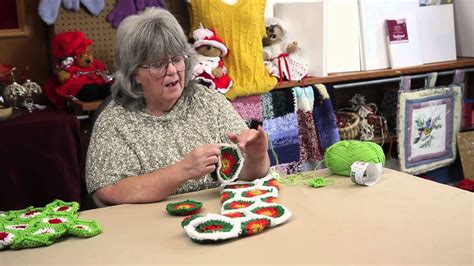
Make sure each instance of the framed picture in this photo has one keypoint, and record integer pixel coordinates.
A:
(12, 22)
(428, 122)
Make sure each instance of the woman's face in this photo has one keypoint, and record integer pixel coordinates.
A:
(163, 84)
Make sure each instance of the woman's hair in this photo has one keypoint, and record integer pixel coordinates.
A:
(146, 37)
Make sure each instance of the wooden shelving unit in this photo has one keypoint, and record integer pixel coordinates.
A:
(462, 62)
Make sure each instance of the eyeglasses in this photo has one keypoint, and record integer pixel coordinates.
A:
(159, 69)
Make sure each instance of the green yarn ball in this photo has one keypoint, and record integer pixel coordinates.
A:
(340, 156)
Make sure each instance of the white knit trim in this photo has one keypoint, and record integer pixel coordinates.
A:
(215, 236)
(202, 33)
(218, 45)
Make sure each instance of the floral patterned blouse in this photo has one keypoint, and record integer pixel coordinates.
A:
(129, 143)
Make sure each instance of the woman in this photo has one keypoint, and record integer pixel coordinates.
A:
(161, 134)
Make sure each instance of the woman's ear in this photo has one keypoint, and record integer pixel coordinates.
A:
(137, 79)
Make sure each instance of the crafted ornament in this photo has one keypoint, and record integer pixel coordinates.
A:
(210, 67)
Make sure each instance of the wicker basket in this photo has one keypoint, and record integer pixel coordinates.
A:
(348, 125)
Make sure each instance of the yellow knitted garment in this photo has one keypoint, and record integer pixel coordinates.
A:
(242, 28)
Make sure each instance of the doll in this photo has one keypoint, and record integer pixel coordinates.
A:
(79, 74)
(279, 56)
(210, 68)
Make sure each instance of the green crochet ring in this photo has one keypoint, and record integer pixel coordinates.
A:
(184, 208)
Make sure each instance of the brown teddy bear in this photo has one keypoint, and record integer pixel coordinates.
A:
(279, 56)
(79, 74)
(210, 68)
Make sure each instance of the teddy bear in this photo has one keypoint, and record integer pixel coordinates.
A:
(210, 69)
(280, 56)
(78, 74)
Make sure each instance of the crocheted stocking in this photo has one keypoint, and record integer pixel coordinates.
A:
(142, 4)
(94, 6)
(48, 10)
(71, 4)
(121, 10)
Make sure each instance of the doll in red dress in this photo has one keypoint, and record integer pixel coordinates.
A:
(210, 69)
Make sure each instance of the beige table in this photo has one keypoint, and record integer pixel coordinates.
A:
(401, 220)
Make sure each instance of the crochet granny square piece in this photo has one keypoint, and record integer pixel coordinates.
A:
(230, 163)
(184, 208)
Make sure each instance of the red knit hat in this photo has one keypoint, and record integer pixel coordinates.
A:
(204, 36)
(70, 43)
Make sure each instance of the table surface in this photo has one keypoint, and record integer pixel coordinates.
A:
(400, 220)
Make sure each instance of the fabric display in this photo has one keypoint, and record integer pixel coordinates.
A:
(241, 27)
(428, 121)
(325, 118)
(283, 132)
(310, 148)
(35, 227)
(250, 107)
(248, 208)
(300, 124)
(49, 9)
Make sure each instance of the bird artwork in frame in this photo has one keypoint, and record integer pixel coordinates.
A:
(428, 121)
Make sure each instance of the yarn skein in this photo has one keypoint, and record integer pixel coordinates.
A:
(341, 155)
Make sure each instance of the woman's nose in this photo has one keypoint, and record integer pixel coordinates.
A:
(170, 70)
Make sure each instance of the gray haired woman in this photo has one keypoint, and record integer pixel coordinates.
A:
(161, 133)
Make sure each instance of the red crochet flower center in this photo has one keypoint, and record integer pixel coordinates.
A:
(239, 205)
(3, 235)
(256, 226)
(228, 162)
(211, 228)
(225, 196)
(271, 200)
(30, 213)
(268, 211)
(255, 192)
(234, 214)
(55, 221)
(20, 226)
(63, 208)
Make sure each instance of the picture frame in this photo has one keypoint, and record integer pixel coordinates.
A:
(428, 122)
(13, 17)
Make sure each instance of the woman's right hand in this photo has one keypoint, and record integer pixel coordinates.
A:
(201, 161)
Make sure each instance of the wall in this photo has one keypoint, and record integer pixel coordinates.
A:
(31, 51)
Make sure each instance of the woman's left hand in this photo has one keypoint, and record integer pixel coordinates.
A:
(254, 143)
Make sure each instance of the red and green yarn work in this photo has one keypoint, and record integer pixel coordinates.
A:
(183, 208)
(42, 226)
(248, 208)
(229, 164)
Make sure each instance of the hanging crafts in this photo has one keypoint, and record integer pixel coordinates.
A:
(428, 121)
